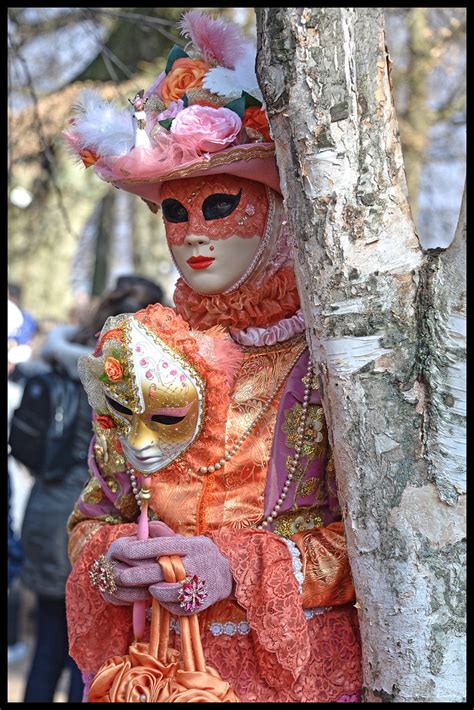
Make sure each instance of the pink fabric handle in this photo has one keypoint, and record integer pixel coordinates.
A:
(139, 608)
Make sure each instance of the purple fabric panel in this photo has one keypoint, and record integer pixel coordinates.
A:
(106, 506)
(87, 679)
(277, 471)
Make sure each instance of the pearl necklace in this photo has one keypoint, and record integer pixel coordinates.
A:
(143, 494)
(296, 456)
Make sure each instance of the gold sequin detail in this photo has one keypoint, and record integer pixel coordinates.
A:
(315, 434)
(112, 484)
(288, 524)
(92, 493)
(128, 506)
(112, 519)
(106, 455)
(307, 487)
(314, 384)
(314, 444)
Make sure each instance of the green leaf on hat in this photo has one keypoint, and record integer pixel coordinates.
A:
(237, 105)
(250, 100)
(185, 100)
(175, 53)
(104, 377)
(166, 123)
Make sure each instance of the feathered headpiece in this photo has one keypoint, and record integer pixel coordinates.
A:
(203, 113)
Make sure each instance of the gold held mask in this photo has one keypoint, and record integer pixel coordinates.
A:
(154, 396)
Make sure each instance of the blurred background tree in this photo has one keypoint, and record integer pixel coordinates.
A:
(70, 234)
(428, 48)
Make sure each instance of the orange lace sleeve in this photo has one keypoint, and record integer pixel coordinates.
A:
(97, 630)
(325, 566)
(266, 587)
(80, 536)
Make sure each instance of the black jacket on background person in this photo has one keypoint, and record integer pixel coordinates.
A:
(43, 536)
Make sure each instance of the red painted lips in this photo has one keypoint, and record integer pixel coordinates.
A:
(200, 262)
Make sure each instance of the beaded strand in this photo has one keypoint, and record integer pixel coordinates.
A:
(296, 456)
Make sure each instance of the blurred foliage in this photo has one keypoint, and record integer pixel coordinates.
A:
(132, 41)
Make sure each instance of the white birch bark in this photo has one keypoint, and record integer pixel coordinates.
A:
(385, 323)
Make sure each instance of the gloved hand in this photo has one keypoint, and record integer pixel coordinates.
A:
(138, 574)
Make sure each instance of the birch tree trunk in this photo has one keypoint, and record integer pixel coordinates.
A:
(386, 324)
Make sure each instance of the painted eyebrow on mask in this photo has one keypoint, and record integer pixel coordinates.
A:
(220, 205)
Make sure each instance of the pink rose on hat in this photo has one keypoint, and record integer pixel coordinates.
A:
(209, 129)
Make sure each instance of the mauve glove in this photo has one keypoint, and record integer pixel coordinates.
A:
(134, 569)
(138, 574)
(203, 558)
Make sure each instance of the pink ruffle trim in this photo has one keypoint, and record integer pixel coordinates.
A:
(249, 306)
(278, 333)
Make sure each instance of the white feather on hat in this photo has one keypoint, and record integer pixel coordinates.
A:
(231, 82)
(101, 127)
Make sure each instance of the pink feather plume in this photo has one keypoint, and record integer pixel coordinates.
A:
(218, 41)
(216, 345)
(229, 358)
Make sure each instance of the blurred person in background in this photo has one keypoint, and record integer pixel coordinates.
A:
(15, 555)
(29, 326)
(17, 648)
(44, 539)
(19, 349)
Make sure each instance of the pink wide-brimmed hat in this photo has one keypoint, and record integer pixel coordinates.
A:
(203, 115)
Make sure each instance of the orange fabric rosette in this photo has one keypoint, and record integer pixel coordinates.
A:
(136, 677)
(113, 369)
(153, 672)
(186, 73)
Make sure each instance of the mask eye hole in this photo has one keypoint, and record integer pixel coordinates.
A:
(166, 419)
(220, 205)
(174, 211)
(118, 407)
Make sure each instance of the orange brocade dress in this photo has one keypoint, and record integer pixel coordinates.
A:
(278, 639)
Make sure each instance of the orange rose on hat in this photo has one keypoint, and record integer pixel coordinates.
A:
(185, 74)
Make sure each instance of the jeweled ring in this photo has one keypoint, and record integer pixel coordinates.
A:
(101, 574)
(192, 593)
